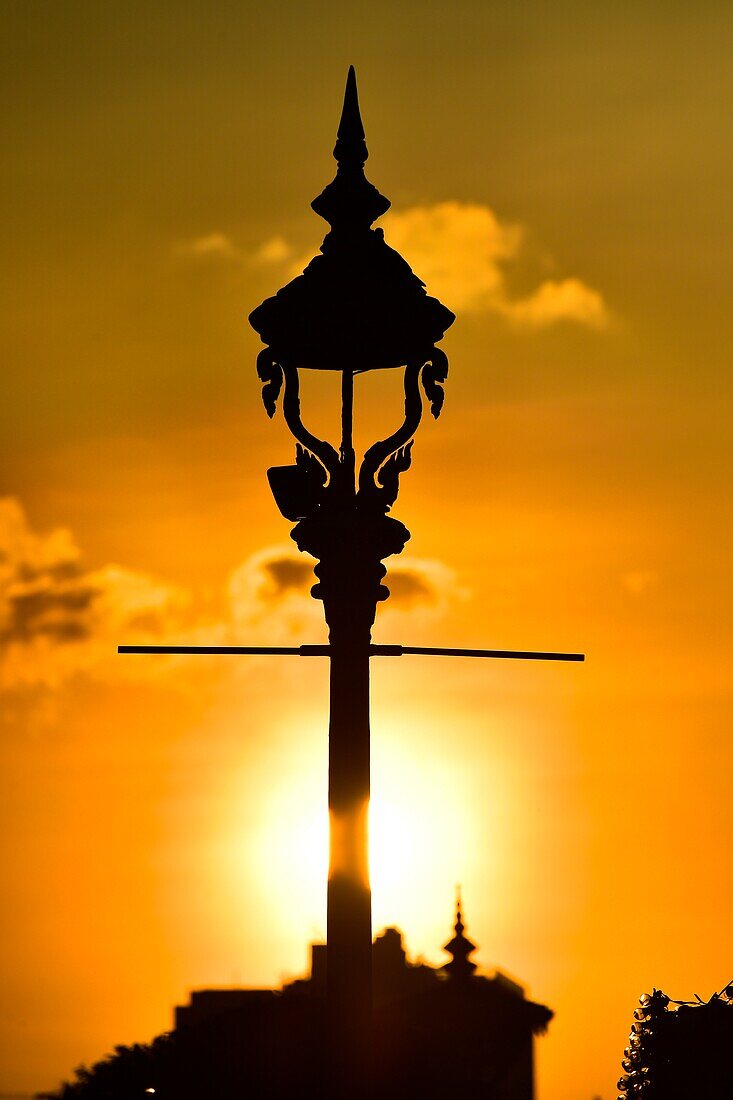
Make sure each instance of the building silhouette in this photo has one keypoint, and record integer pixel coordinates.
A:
(434, 1029)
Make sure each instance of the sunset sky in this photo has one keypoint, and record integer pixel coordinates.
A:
(561, 177)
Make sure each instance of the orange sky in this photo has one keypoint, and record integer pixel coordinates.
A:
(561, 179)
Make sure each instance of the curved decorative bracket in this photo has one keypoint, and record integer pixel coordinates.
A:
(377, 467)
(388, 476)
(434, 375)
(380, 452)
(323, 450)
(272, 374)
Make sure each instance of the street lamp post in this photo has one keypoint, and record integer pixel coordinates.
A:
(356, 307)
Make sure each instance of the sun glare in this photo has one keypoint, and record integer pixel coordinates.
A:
(418, 837)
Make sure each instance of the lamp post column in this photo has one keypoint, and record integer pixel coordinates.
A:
(350, 542)
(349, 917)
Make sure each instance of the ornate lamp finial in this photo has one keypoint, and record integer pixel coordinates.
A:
(350, 200)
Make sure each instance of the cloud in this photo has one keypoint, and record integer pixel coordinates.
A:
(42, 591)
(463, 253)
(56, 618)
(215, 246)
(270, 597)
(218, 247)
(59, 619)
(274, 251)
(558, 300)
(128, 600)
(409, 588)
(457, 249)
(421, 584)
(277, 574)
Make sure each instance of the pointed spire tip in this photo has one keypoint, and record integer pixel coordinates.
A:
(350, 144)
(350, 198)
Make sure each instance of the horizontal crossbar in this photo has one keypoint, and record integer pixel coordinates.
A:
(510, 654)
(374, 651)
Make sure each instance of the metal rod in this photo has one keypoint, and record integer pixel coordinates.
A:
(285, 650)
(347, 410)
(374, 651)
(348, 458)
(509, 654)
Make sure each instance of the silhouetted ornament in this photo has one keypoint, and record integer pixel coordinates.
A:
(358, 306)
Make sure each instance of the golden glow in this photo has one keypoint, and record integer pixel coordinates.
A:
(169, 820)
(419, 834)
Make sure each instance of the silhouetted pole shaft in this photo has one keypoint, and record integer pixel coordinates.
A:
(350, 541)
(350, 537)
(349, 919)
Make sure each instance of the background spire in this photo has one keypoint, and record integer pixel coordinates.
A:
(459, 926)
(460, 968)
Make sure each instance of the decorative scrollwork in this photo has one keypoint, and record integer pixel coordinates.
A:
(434, 375)
(388, 477)
(379, 452)
(270, 373)
(384, 461)
(378, 475)
(324, 452)
(311, 466)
